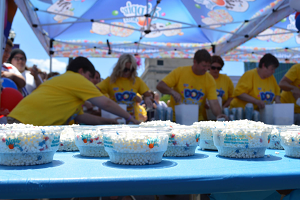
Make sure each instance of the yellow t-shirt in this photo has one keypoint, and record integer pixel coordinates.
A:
(123, 90)
(139, 111)
(286, 96)
(57, 101)
(224, 87)
(194, 89)
(261, 89)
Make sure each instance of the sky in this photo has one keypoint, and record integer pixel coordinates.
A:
(37, 55)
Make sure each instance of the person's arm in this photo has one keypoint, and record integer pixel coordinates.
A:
(35, 73)
(165, 89)
(250, 99)
(286, 85)
(90, 119)
(216, 109)
(277, 99)
(18, 79)
(148, 99)
(227, 103)
(110, 106)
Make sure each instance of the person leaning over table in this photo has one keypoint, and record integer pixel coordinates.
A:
(223, 82)
(258, 86)
(192, 85)
(58, 100)
(290, 85)
(123, 84)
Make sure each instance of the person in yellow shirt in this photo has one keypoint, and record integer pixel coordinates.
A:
(123, 84)
(192, 85)
(223, 82)
(59, 100)
(139, 111)
(290, 84)
(258, 86)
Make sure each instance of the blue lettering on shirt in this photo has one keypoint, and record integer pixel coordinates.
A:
(220, 93)
(124, 96)
(267, 96)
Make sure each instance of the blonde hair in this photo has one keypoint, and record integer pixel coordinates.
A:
(120, 66)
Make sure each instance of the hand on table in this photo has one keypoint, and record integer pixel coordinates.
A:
(260, 104)
(114, 121)
(222, 116)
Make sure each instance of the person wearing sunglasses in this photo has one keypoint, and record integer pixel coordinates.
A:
(258, 86)
(123, 84)
(192, 85)
(223, 82)
(32, 77)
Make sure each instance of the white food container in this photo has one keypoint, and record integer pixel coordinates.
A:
(135, 146)
(242, 142)
(206, 138)
(67, 139)
(290, 140)
(183, 141)
(186, 114)
(28, 146)
(89, 140)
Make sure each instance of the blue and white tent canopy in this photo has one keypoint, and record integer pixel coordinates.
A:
(152, 29)
(282, 40)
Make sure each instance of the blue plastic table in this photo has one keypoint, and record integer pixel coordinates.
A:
(71, 175)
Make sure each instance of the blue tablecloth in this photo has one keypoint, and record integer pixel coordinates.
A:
(71, 175)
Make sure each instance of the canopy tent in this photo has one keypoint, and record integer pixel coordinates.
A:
(151, 29)
(282, 40)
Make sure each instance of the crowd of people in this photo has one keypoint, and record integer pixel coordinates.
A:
(78, 95)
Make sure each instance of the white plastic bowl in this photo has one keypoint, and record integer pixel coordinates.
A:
(242, 143)
(183, 141)
(29, 146)
(89, 140)
(67, 139)
(135, 146)
(290, 140)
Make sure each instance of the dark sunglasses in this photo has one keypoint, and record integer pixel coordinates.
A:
(126, 70)
(214, 68)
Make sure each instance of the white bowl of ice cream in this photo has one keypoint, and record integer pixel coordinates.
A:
(183, 141)
(28, 146)
(290, 140)
(135, 146)
(89, 140)
(242, 142)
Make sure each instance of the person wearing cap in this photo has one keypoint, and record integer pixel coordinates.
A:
(192, 85)
(32, 78)
(258, 86)
(290, 85)
(123, 84)
(59, 100)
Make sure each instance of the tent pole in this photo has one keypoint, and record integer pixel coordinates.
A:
(50, 63)
(51, 52)
(2, 39)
